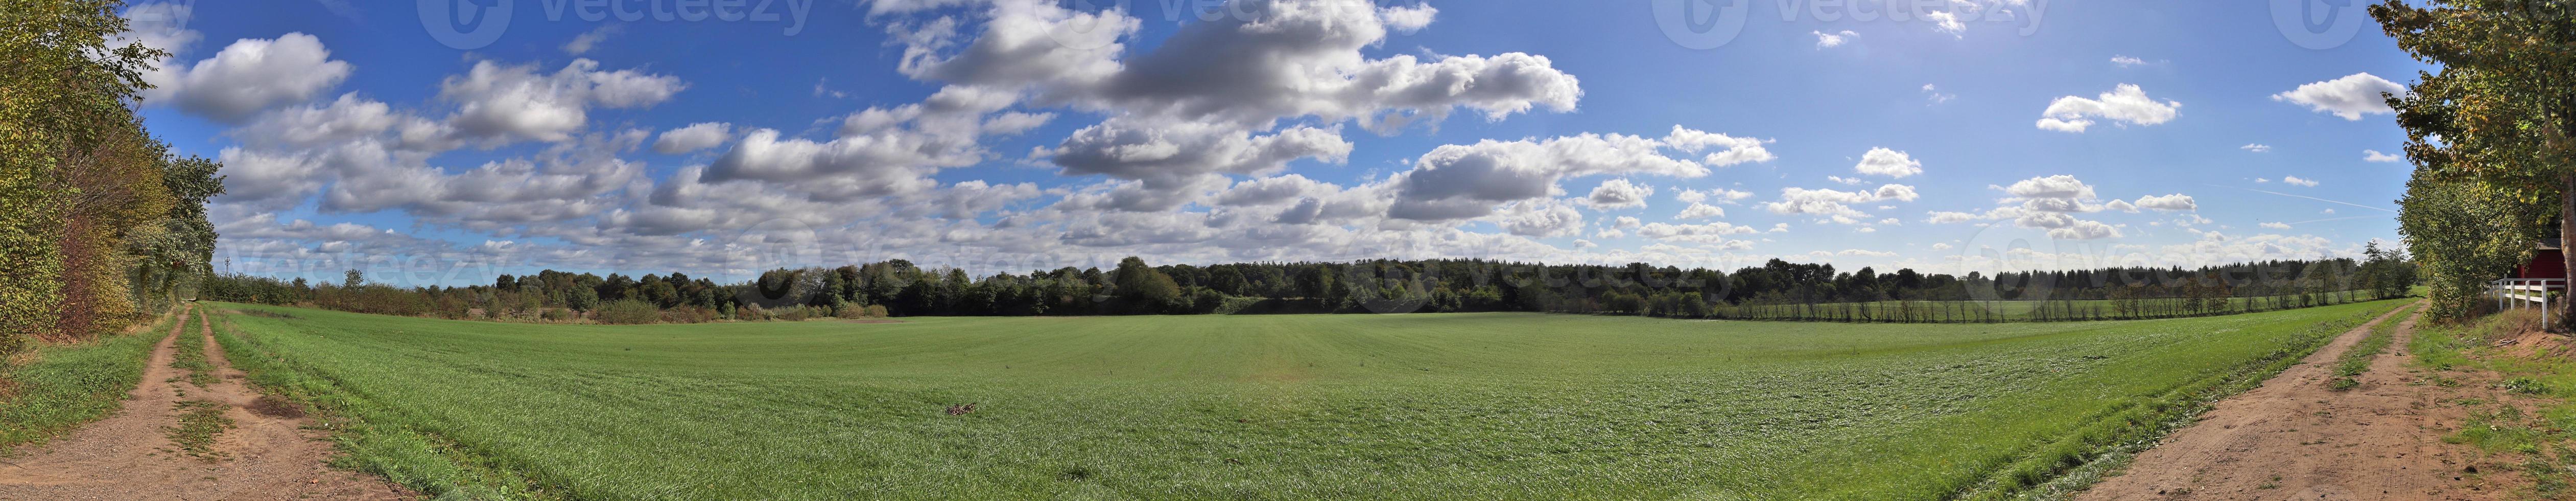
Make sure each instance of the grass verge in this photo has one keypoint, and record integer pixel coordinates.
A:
(2536, 433)
(57, 388)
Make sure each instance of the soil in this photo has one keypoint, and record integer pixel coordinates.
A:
(2296, 438)
(130, 456)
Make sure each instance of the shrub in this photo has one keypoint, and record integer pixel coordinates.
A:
(877, 311)
(629, 311)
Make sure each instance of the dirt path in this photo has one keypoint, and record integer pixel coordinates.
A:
(2295, 438)
(131, 456)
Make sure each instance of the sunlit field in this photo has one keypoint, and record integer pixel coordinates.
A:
(1479, 406)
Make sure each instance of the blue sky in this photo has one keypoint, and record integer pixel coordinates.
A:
(357, 137)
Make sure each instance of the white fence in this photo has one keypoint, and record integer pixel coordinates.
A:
(2515, 293)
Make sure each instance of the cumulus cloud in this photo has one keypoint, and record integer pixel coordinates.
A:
(2173, 202)
(1834, 205)
(1700, 211)
(2257, 148)
(1463, 181)
(1730, 150)
(1541, 219)
(2274, 226)
(582, 43)
(2126, 61)
(1719, 195)
(2299, 181)
(1619, 194)
(1887, 162)
(1831, 40)
(1407, 19)
(2349, 97)
(2059, 186)
(249, 76)
(2127, 104)
(501, 102)
(2084, 230)
(697, 136)
(2376, 156)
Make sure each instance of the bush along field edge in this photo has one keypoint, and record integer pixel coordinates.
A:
(372, 437)
(55, 389)
(2060, 469)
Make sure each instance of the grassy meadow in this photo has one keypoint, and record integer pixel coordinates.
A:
(1480, 406)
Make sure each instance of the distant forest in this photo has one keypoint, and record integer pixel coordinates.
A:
(1777, 289)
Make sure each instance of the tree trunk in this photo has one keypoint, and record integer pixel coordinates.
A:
(2566, 228)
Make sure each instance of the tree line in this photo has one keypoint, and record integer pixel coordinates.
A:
(100, 224)
(2492, 136)
(1776, 290)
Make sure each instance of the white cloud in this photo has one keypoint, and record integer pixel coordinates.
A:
(1831, 40)
(2126, 61)
(1619, 194)
(1463, 181)
(499, 102)
(2274, 226)
(1933, 94)
(1731, 150)
(1700, 211)
(2059, 186)
(2349, 97)
(1946, 22)
(1407, 19)
(2127, 104)
(1887, 162)
(2298, 181)
(2085, 230)
(590, 39)
(250, 76)
(697, 136)
(2173, 202)
(1834, 205)
(1541, 219)
(2257, 148)
(2376, 156)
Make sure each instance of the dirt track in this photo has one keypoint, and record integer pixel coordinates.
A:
(130, 456)
(2295, 438)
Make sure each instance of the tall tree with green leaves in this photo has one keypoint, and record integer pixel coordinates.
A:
(1146, 289)
(2501, 111)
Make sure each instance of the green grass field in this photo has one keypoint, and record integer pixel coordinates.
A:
(1480, 406)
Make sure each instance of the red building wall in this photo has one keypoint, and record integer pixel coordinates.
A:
(2545, 263)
